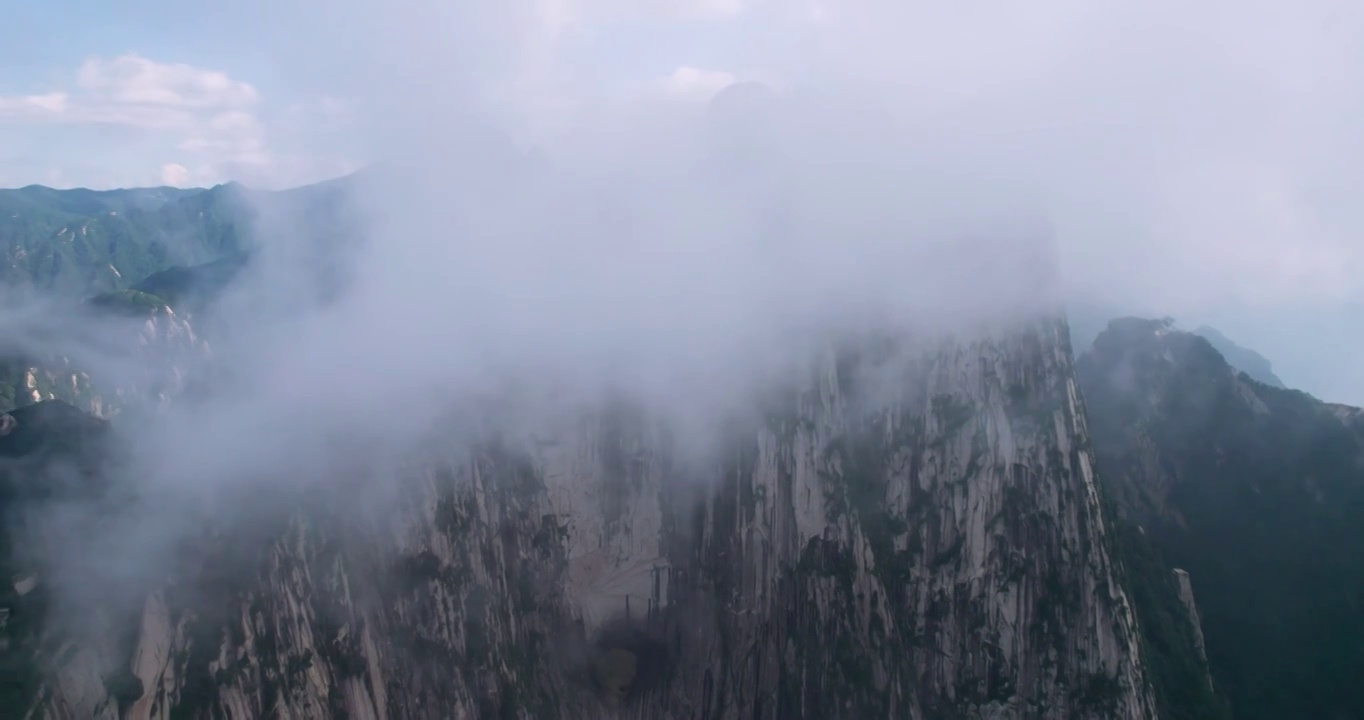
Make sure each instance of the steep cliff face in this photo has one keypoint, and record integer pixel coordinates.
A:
(1258, 493)
(905, 533)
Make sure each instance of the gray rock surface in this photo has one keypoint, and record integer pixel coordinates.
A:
(905, 535)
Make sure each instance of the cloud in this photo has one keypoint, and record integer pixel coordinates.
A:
(322, 109)
(1185, 158)
(690, 82)
(234, 135)
(31, 106)
(557, 15)
(134, 91)
(135, 80)
(175, 175)
(215, 121)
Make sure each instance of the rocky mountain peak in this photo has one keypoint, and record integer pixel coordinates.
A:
(912, 530)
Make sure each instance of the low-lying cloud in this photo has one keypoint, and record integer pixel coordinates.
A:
(930, 167)
(933, 166)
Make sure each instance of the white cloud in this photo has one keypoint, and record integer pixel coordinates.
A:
(713, 8)
(233, 135)
(215, 121)
(559, 14)
(26, 106)
(175, 175)
(323, 109)
(137, 92)
(695, 83)
(135, 80)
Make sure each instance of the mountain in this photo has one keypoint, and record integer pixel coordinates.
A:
(142, 343)
(929, 548)
(85, 242)
(158, 256)
(1256, 493)
(193, 287)
(963, 526)
(1244, 359)
(1088, 322)
(81, 242)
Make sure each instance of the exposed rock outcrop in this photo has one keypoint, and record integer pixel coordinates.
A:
(138, 364)
(1187, 598)
(905, 534)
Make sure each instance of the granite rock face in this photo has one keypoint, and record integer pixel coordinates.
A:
(903, 533)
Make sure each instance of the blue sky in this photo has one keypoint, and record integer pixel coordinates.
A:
(296, 59)
(90, 61)
(1205, 161)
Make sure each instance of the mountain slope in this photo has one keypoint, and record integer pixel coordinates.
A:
(1256, 491)
(158, 256)
(910, 532)
(78, 242)
(1244, 359)
(1088, 322)
(142, 346)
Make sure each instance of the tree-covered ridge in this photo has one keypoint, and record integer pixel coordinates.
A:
(1258, 492)
(80, 242)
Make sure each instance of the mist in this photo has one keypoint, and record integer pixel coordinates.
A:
(1194, 161)
(531, 234)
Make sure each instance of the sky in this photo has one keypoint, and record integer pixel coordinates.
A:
(1197, 160)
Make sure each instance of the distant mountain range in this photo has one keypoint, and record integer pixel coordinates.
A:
(163, 253)
(85, 242)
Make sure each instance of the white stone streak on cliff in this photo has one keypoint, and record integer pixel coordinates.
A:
(1186, 597)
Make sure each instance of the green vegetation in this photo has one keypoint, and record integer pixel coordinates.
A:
(1256, 491)
(80, 242)
(1178, 675)
(193, 286)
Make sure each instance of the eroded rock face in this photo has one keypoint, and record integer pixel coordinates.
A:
(905, 534)
(1186, 597)
(145, 368)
